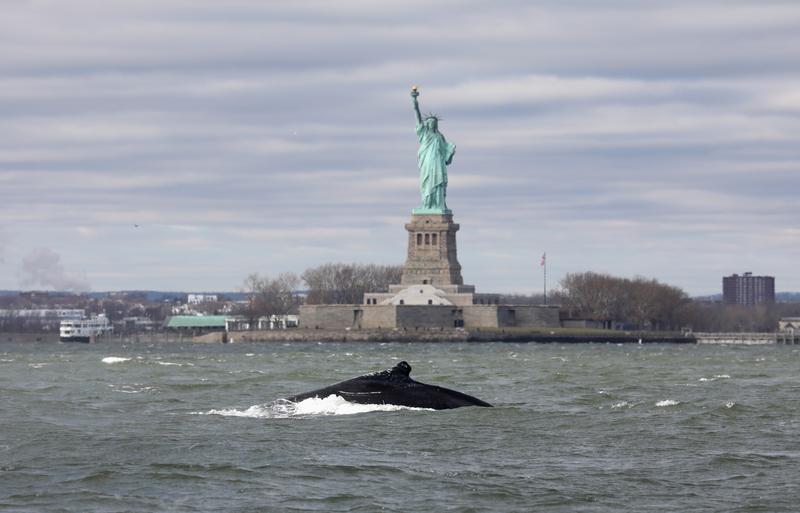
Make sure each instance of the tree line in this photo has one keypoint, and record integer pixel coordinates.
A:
(331, 283)
(645, 303)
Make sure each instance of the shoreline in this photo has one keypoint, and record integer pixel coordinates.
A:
(511, 335)
(300, 335)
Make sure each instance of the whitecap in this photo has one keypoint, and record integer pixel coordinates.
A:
(667, 402)
(133, 388)
(716, 377)
(621, 404)
(170, 364)
(730, 404)
(114, 359)
(331, 405)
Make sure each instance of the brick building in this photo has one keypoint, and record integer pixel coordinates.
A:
(748, 290)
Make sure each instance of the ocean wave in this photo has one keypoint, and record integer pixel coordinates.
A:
(331, 405)
(667, 402)
(114, 359)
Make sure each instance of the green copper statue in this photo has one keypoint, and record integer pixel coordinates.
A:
(434, 155)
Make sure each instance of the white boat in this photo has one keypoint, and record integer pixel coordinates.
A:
(84, 330)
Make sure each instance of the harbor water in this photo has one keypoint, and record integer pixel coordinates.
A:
(575, 427)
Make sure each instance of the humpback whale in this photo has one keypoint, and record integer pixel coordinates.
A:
(394, 386)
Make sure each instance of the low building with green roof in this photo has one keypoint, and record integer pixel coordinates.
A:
(196, 324)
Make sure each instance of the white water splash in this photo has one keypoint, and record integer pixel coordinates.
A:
(621, 404)
(114, 359)
(331, 405)
(716, 377)
(730, 404)
(667, 402)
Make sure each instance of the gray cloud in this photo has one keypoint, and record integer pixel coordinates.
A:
(42, 267)
(658, 138)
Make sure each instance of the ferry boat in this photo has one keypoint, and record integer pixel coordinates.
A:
(84, 330)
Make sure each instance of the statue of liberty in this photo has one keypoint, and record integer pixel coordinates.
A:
(434, 155)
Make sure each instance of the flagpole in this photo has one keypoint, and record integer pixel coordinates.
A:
(544, 264)
(545, 279)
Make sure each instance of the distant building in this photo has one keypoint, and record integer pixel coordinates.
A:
(196, 299)
(41, 318)
(200, 324)
(789, 325)
(46, 314)
(135, 325)
(273, 322)
(748, 290)
(196, 324)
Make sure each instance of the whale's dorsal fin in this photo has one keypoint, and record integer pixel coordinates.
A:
(401, 370)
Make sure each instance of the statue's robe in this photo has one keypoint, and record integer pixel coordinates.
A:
(434, 155)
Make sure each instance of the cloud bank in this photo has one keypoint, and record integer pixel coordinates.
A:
(184, 145)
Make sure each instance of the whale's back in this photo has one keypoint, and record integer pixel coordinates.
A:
(394, 386)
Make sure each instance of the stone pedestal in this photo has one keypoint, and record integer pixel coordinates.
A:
(431, 293)
(432, 258)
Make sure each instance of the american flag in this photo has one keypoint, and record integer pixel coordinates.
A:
(544, 259)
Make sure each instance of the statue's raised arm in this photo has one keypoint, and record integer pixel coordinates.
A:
(414, 94)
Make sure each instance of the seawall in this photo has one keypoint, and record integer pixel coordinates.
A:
(747, 339)
(452, 335)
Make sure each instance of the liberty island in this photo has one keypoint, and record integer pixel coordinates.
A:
(431, 292)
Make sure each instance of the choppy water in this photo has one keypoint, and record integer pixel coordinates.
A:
(601, 428)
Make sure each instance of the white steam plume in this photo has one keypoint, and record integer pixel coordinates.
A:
(42, 267)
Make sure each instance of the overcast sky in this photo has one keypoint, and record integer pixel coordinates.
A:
(183, 144)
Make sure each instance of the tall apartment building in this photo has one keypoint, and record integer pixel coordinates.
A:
(748, 290)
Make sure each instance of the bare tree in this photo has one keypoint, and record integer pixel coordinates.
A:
(594, 295)
(338, 283)
(270, 296)
(643, 302)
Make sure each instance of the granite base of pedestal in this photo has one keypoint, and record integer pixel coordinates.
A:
(431, 257)
(427, 316)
